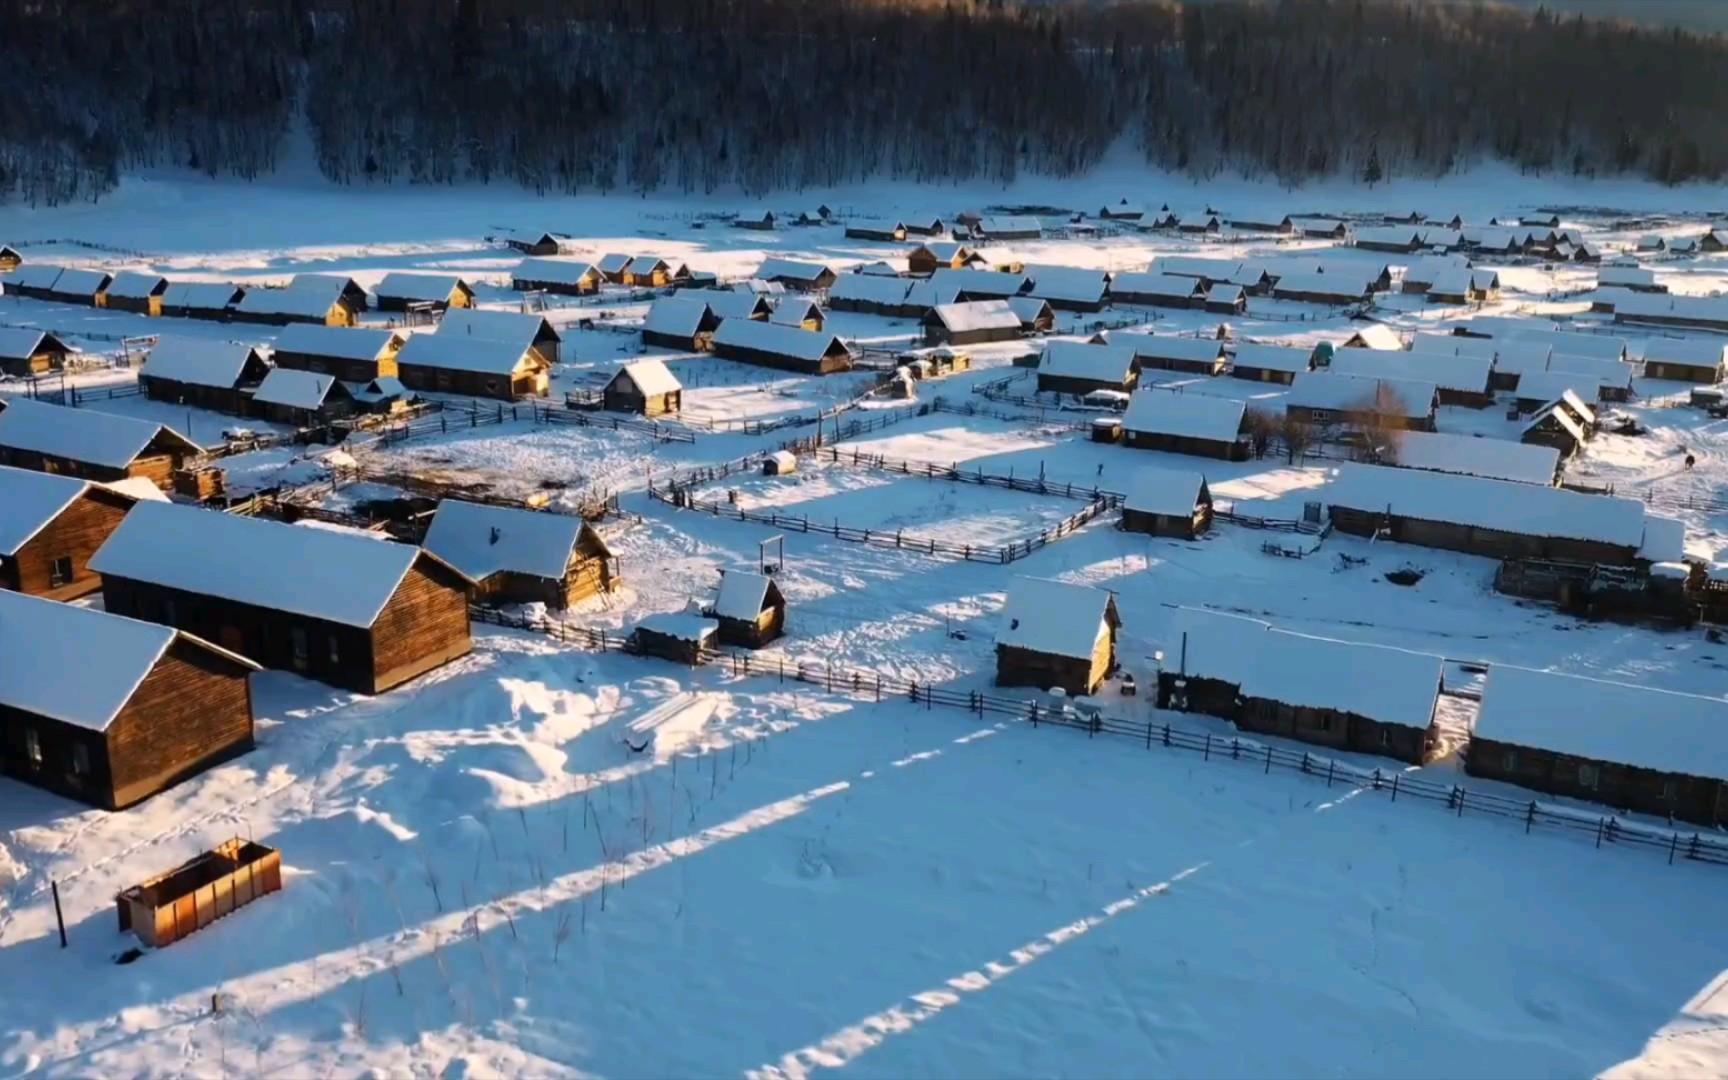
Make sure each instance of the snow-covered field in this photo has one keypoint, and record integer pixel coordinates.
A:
(484, 879)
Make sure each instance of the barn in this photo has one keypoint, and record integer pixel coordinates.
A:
(1693, 360)
(136, 291)
(399, 291)
(532, 332)
(1151, 289)
(1476, 516)
(49, 527)
(1166, 352)
(92, 445)
(787, 348)
(356, 354)
(201, 299)
(308, 298)
(517, 556)
(1185, 423)
(1053, 634)
(303, 399)
(1633, 748)
(750, 609)
(384, 612)
(80, 285)
(1168, 502)
(645, 387)
(151, 706)
(797, 311)
(534, 242)
(934, 255)
(1271, 363)
(1324, 398)
(450, 363)
(25, 352)
(1079, 367)
(795, 274)
(210, 374)
(680, 322)
(1458, 380)
(973, 323)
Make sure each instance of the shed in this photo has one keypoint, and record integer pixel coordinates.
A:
(797, 311)
(1374, 336)
(1078, 367)
(1158, 290)
(780, 463)
(1458, 380)
(1056, 635)
(80, 285)
(680, 322)
(89, 444)
(301, 398)
(529, 331)
(25, 352)
(890, 229)
(198, 371)
(1271, 363)
(646, 387)
(1168, 502)
(796, 274)
(1070, 288)
(785, 347)
(566, 277)
(201, 299)
(973, 323)
(1322, 398)
(399, 291)
(681, 637)
(1468, 455)
(50, 526)
(1185, 423)
(516, 556)
(136, 291)
(110, 710)
(352, 354)
(1167, 352)
(453, 363)
(1632, 747)
(385, 612)
(1695, 360)
(1035, 315)
(750, 609)
(1225, 299)
(534, 241)
(34, 281)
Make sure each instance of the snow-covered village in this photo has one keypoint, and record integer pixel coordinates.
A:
(1127, 624)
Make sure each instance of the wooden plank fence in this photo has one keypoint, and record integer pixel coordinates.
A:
(1030, 485)
(546, 414)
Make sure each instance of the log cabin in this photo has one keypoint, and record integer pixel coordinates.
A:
(219, 375)
(924, 224)
(49, 527)
(1056, 635)
(378, 615)
(25, 352)
(303, 399)
(531, 332)
(135, 291)
(1557, 427)
(1149, 289)
(974, 323)
(870, 294)
(33, 281)
(399, 291)
(148, 707)
(201, 299)
(1036, 316)
(1166, 352)
(934, 255)
(1078, 367)
(797, 311)
(1185, 423)
(972, 284)
(1700, 362)
(650, 272)
(761, 221)
(1168, 502)
(736, 303)
(517, 556)
(477, 367)
(1374, 336)
(795, 274)
(644, 387)
(1070, 288)
(9, 258)
(1225, 299)
(1009, 227)
(612, 265)
(534, 241)
(750, 609)
(565, 277)
(1467, 455)
(80, 285)
(1271, 363)
(681, 322)
(784, 347)
(885, 229)
(1315, 287)
(352, 354)
(307, 298)
(681, 637)
(91, 445)
(1329, 398)
(1458, 379)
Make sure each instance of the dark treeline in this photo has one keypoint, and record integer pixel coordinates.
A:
(568, 95)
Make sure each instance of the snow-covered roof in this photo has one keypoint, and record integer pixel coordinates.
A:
(1207, 644)
(679, 315)
(1600, 346)
(1453, 281)
(1081, 360)
(1275, 357)
(1523, 509)
(879, 268)
(1467, 455)
(1194, 416)
(1378, 336)
(1070, 283)
(1054, 618)
(294, 389)
(81, 281)
(1606, 372)
(1550, 385)
(86, 435)
(1664, 539)
(29, 500)
(33, 276)
(135, 285)
(1392, 235)
(1173, 492)
(1439, 236)
(1167, 346)
(868, 288)
(779, 340)
(336, 576)
(305, 303)
(1468, 374)
(1584, 412)
(680, 626)
(1010, 224)
(198, 361)
(775, 268)
(516, 327)
(996, 255)
(1224, 293)
(1625, 276)
(481, 540)
(646, 265)
(1341, 286)
(876, 225)
(336, 342)
(383, 388)
(1147, 283)
(136, 487)
(21, 343)
(458, 352)
(1488, 237)
(794, 311)
(532, 236)
(652, 377)
(1388, 685)
(982, 282)
(1193, 266)
(1514, 356)
(977, 315)
(1697, 351)
(200, 295)
(1618, 723)
(758, 286)
(930, 293)
(736, 304)
(1433, 341)
(1314, 224)
(46, 642)
(610, 263)
(1428, 268)
(742, 595)
(943, 250)
(1563, 417)
(402, 285)
(1337, 391)
(1029, 308)
(1712, 309)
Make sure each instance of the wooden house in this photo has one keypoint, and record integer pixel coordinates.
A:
(682, 322)
(871, 295)
(91, 445)
(787, 348)
(1714, 239)
(759, 220)
(135, 291)
(1158, 290)
(1079, 367)
(1168, 502)
(1466, 455)
(533, 332)
(307, 298)
(400, 291)
(201, 299)
(648, 271)
(454, 363)
(1633, 748)
(1316, 287)
(80, 285)
(1225, 299)
(1397, 239)
(516, 556)
(1477, 516)
(1208, 655)
(738, 303)
(1699, 312)
(1271, 363)
(1185, 423)
(210, 374)
(1278, 225)
(926, 224)
(1374, 336)
(302, 399)
(1693, 360)
(1166, 352)
(934, 255)
(1327, 398)
(25, 352)
(1035, 315)
(1201, 222)
(109, 710)
(645, 387)
(1635, 278)
(1070, 288)
(885, 229)
(973, 323)
(535, 241)
(566, 277)
(33, 281)
(1557, 427)
(1005, 227)
(971, 284)
(794, 274)
(750, 609)
(355, 355)
(383, 613)
(1457, 379)
(1320, 228)
(385, 394)
(682, 637)
(1123, 211)
(612, 266)
(49, 527)
(1056, 635)
(797, 311)
(9, 258)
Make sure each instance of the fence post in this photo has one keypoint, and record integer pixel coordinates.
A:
(1461, 794)
(1329, 766)
(1530, 816)
(1235, 748)
(1207, 752)
(1692, 848)
(1673, 843)
(1148, 736)
(1394, 787)
(878, 687)
(782, 669)
(1166, 734)
(1599, 822)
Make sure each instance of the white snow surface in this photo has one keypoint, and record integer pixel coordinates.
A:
(1082, 360)
(1195, 416)
(1055, 618)
(977, 315)
(86, 435)
(1468, 374)
(652, 377)
(1495, 459)
(197, 361)
(340, 342)
(458, 352)
(481, 540)
(1164, 491)
(1489, 504)
(742, 595)
(41, 641)
(294, 389)
(29, 501)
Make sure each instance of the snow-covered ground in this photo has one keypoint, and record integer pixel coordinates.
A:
(483, 878)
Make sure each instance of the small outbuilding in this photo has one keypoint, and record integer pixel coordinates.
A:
(516, 556)
(25, 352)
(681, 322)
(302, 399)
(1054, 635)
(136, 291)
(9, 258)
(1226, 299)
(646, 387)
(681, 637)
(1168, 502)
(750, 609)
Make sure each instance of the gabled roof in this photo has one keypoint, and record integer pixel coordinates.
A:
(1141, 283)
(1196, 267)
(336, 576)
(1029, 309)
(400, 285)
(135, 285)
(1070, 283)
(777, 340)
(774, 269)
(1447, 371)
(742, 595)
(610, 263)
(1522, 509)
(1626, 276)
(879, 268)
(201, 295)
(1333, 284)
(1664, 539)
(1173, 492)
(677, 315)
(1427, 269)
(294, 389)
(1276, 357)
(29, 501)
(652, 377)
(516, 327)
(943, 250)
(308, 301)
(1390, 235)
(1194, 416)
(336, 342)
(481, 540)
(81, 281)
(869, 289)
(984, 282)
(1453, 281)
(21, 343)
(1705, 309)
(646, 265)
(1553, 413)
(533, 236)
(198, 361)
(1206, 644)
(96, 438)
(1550, 385)
(794, 310)
(1336, 391)
(1224, 293)
(1081, 360)
(758, 286)
(1602, 346)
(33, 276)
(1615, 373)
(1380, 683)
(1378, 336)
(736, 304)
(1168, 346)
(75, 664)
(458, 352)
(1432, 341)
(977, 315)
(1055, 618)
(1010, 224)
(1698, 351)
(1466, 455)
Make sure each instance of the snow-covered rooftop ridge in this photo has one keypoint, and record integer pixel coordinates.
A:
(418, 285)
(457, 352)
(134, 285)
(294, 389)
(21, 342)
(482, 540)
(680, 625)
(794, 311)
(732, 304)
(775, 268)
(1207, 644)
(199, 295)
(775, 339)
(306, 296)
(1550, 385)
(1339, 391)
(1054, 617)
(1081, 360)
(517, 327)
(1275, 357)
(1433, 341)
(86, 435)
(29, 500)
(1378, 336)
(336, 342)
(1154, 283)
(1071, 283)
(197, 361)
(977, 315)
(1522, 509)
(1704, 351)
(1599, 720)
(680, 315)
(73, 664)
(81, 281)
(1350, 286)
(1495, 459)
(995, 282)
(557, 271)
(651, 376)
(334, 576)
(1194, 416)
(1172, 492)
(742, 595)
(1447, 371)
(1200, 350)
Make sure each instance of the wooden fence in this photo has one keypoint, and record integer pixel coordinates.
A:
(943, 405)
(1030, 485)
(546, 414)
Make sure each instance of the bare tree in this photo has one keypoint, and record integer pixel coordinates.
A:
(1380, 415)
(1297, 436)
(1262, 427)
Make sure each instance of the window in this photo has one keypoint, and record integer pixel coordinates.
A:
(80, 759)
(297, 638)
(60, 572)
(33, 746)
(1588, 776)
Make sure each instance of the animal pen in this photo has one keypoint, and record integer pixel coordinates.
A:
(195, 894)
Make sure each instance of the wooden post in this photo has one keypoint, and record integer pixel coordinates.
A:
(59, 916)
(1394, 787)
